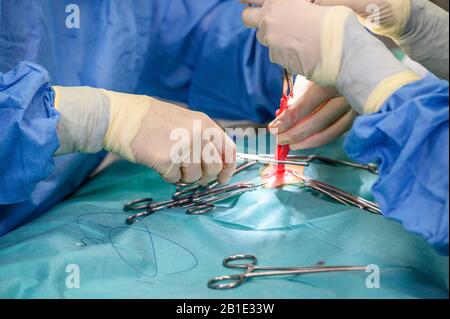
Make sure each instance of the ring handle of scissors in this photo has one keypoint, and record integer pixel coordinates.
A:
(246, 261)
(200, 209)
(226, 282)
(138, 205)
(182, 184)
(186, 193)
(133, 218)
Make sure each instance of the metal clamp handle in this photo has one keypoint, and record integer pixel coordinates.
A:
(233, 281)
(251, 261)
(135, 205)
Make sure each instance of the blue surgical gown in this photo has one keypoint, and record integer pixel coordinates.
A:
(195, 52)
(409, 140)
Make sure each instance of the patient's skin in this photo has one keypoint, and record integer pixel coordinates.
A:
(272, 180)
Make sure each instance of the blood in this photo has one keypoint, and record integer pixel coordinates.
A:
(282, 151)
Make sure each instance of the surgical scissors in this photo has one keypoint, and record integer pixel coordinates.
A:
(249, 264)
(307, 159)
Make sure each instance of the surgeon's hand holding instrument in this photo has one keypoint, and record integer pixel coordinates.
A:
(248, 263)
(287, 93)
(318, 116)
(329, 46)
(139, 128)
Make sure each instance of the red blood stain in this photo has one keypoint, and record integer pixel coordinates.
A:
(282, 151)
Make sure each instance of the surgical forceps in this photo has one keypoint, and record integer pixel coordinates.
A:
(307, 159)
(340, 195)
(249, 264)
(199, 199)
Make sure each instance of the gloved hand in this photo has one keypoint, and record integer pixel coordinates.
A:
(181, 145)
(289, 29)
(419, 27)
(330, 47)
(318, 117)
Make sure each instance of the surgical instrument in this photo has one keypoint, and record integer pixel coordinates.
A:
(340, 195)
(198, 199)
(249, 264)
(205, 204)
(144, 204)
(145, 207)
(307, 159)
(193, 189)
(268, 160)
(198, 203)
(287, 93)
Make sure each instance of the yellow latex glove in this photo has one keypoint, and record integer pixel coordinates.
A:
(419, 27)
(317, 118)
(182, 145)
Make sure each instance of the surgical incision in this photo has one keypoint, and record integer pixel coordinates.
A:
(274, 177)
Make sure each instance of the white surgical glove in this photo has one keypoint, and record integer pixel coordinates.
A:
(279, 23)
(419, 27)
(181, 145)
(317, 118)
(331, 48)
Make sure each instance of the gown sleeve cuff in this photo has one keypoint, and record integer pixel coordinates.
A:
(28, 129)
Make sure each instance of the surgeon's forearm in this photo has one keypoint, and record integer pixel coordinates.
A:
(426, 37)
